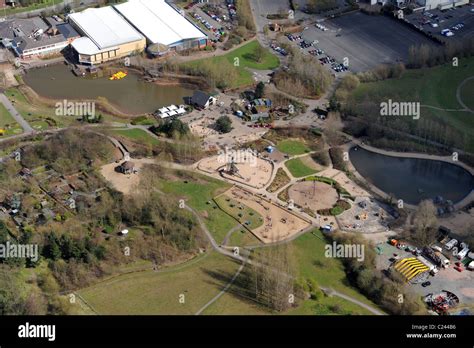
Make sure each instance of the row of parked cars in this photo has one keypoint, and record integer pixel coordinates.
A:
(322, 27)
(278, 49)
(337, 67)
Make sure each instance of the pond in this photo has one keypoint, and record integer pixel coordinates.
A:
(129, 95)
(413, 179)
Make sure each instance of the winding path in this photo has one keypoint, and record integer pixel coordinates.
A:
(245, 261)
(458, 94)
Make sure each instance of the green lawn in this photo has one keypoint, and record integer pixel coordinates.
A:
(431, 86)
(292, 147)
(467, 94)
(242, 213)
(155, 293)
(8, 123)
(243, 58)
(309, 251)
(242, 237)
(137, 134)
(198, 194)
(311, 262)
(298, 169)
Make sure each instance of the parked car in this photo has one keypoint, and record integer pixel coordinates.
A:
(425, 284)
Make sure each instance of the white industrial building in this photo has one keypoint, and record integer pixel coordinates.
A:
(107, 36)
(441, 4)
(161, 24)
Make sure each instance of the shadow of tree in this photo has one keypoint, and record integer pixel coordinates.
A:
(241, 288)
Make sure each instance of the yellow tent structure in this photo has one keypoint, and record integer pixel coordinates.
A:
(410, 267)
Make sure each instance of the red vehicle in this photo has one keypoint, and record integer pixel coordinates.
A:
(459, 269)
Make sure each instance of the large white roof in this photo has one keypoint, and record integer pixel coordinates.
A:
(84, 45)
(105, 27)
(158, 21)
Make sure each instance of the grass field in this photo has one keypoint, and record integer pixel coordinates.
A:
(202, 278)
(431, 86)
(151, 292)
(298, 169)
(138, 135)
(243, 214)
(467, 94)
(311, 262)
(8, 123)
(198, 194)
(292, 147)
(329, 272)
(243, 58)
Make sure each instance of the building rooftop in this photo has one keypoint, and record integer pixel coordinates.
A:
(158, 21)
(11, 29)
(84, 45)
(67, 30)
(105, 27)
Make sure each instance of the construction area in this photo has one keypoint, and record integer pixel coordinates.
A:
(279, 224)
(245, 168)
(366, 215)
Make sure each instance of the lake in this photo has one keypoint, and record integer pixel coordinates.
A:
(129, 95)
(413, 179)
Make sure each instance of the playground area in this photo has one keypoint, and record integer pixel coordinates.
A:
(246, 168)
(203, 127)
(366, 215)
(313, 195)
(279, 224)
(352, 188)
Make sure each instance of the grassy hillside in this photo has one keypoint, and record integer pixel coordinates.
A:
(435, 87)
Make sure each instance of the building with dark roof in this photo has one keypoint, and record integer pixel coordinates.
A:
(34, 37)
(202, 100)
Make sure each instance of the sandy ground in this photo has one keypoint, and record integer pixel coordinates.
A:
(313, 195)
(461, 222)
(122, 182)
(202, 127)
(344, 181)
(279, 224)
(254, 171)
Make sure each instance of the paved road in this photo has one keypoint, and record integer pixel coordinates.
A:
(16, 115)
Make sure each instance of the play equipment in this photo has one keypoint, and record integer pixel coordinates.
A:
(118, 76)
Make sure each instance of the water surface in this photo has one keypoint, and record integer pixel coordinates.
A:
(129, 95)
(413, 179)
